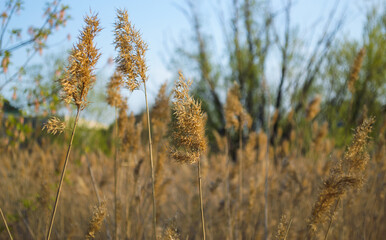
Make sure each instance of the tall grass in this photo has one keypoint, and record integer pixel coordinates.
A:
(208, 191)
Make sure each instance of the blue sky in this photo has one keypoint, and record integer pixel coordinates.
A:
(162, 23)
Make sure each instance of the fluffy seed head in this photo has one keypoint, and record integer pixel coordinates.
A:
(346, 175)
(356, 67)
(235, 114)
(114, 97)
(95, 224)
(54, 126)
(188, 136)
(160, 114)
(79, 76)
(131, 51)
(313, 108)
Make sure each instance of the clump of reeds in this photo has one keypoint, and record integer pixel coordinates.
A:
(99, 214)
(131, 63)
(346, 175)
(79, 79)
(188, 132)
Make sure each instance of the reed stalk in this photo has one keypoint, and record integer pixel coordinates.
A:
(201, 204)
(62, 175)
(241, 179)
(6, 225)
(116, 177)
(331, 219)
(151, 165)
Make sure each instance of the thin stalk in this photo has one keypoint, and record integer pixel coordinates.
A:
(116, 177)
(6, 225)
(228, 189)
(201, 205)
(62, 176)
(266, 174)
(152, 165)
(240, 178)
(332, 216)
(97, 194)
(288, 228)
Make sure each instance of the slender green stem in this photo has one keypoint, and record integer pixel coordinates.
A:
(6, 225)
(201, 204)
(62, 176)
(152, 165)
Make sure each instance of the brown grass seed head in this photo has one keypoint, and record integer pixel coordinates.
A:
(131, 51)
(114, 97)
(79, 75)
(54, 126)
(188, 136)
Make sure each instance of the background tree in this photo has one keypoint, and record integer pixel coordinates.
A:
(32, 39)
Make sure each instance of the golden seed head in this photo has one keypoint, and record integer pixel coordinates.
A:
(95, 224)
(355, 69)
(188, 136)
(313, 108)
(356, 157)
(131, 51)
(160, 114)
(114, 97)
(346, 175)
(235, 114)
(79, 76)
(54, 126)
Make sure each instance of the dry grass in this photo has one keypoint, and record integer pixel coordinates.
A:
(324, 191)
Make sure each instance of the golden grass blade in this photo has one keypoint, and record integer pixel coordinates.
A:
(6, 225)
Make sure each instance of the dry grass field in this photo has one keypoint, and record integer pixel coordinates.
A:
(163, 175)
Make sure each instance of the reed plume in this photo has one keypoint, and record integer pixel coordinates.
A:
(132, 65)
(160, 117)
(188, 135)
(188, 132)
(78, 80)
(355, 69)
(79, 77)
(99, 214)
(171, 232)
(283, 228)
(114, 97)
(54, 125)
(313, 108)
(346, 175)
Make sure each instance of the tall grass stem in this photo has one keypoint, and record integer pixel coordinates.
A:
(62, 175)
(6, 225)
(152, 165)
(201, 204)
